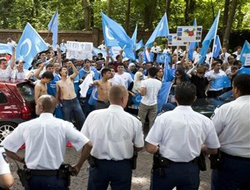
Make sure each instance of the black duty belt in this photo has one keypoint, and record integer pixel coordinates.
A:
(235, 157)
(43, 172)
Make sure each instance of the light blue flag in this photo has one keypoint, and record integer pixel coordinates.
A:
(53, 27)
(118, 34)
(137, 99)
(244, 70)
(94, 97)
(221, 82)
(245, 54)
(163, 95)
(192, 45)
(217, 47)
(29, 45)
(107, 34)
(139, 45)
(209, 37)
(95, 52)
(161, 30)
(163, 58)
(134, 36)
(5, 48)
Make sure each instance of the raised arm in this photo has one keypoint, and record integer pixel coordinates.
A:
(75, 71)
(13, 58)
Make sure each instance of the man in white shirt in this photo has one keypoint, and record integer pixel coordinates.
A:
(6, 178)
(155, 49)
(5, 70)
(211, 76)
(45, 138)
(19, 73)
(126, 77)
(115, 79)
(149, 91)
(232, 124)
(115, 135)
(224, 55)
(177, 137)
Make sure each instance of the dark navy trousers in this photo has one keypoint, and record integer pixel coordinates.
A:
(234, 174)
(116, 173)
(183, 176)
(46, 183)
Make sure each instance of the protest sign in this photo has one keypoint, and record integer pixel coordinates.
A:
(173, 41)
(189, 33)
(79, 50)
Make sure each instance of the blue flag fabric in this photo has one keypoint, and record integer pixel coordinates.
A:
(29, 45)
(162, 58)
(53, 27)
(192, 45)
(245, 54)
(137, 99)
(163, 95)
(221, 82)
(168, 73)
(139, 45)
(94, 97)
(161, 30)
(119, 34)
(244, 70)
(5, 48)
(134, 36)
(217, 47)
(95, 52)
(209, 37)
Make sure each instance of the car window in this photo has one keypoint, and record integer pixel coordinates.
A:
(3, 98)
(27, 91)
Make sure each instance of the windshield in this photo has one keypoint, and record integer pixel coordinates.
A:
(27, 91)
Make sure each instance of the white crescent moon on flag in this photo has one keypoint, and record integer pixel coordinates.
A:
(28, 42)
(161, 27)
(107, 34)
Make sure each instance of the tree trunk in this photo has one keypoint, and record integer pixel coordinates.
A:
(128, 15)
(86, 14)
(149, 13)
(168, 7)
(225, 16)
(186, 12)
(109, 7)
(91, 11)
(229, 23)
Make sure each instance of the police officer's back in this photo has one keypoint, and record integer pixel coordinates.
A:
(232, 124)
(178, 136)
(45, 138)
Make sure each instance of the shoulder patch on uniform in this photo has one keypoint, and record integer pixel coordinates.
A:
(5, 157)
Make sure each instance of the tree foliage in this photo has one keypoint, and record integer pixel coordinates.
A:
(16, 13)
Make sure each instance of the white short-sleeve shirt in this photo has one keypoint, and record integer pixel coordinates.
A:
(181, 133)
(212, 74)
(152, 87)
(4, 166)
(5, 73)
(45, 138)
(126, 77)
(232, 124)
(113, 133)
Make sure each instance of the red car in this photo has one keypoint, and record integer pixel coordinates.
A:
(16, 105)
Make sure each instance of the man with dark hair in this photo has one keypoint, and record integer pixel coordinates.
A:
(126, 77)
(232, 124)
(5, 70)
(103, 87)
(41, 86)
(115, 135)
(45, 138)
(149, 91)
(177, 137)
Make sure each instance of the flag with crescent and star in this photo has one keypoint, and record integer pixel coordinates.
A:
(161, 30)
(29, 45)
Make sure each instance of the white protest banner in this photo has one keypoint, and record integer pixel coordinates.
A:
(79, 50)
(189, 33)
(173, 41)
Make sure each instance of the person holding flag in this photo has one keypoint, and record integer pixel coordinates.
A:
(5, 70)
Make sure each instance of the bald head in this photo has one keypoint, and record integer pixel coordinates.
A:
(45, 104)
(118, 95)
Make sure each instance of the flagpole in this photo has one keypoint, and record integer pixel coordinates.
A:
(210, 65)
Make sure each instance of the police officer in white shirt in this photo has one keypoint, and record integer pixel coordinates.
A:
(149, 91)
(179, 135)
(6, 179)
(45, 138)
(232, 124)
(114, 134)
